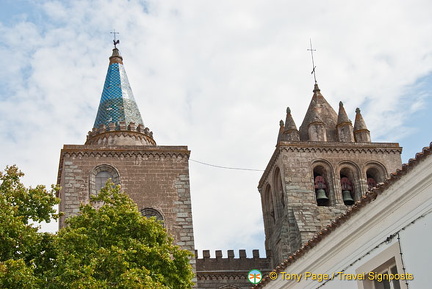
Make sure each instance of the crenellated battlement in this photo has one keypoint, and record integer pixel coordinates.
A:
(120, 133)
(120, 126)
(230, 262)
(230, 254)
(212, 272)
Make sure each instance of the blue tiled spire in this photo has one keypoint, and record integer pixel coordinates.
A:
(117, 103)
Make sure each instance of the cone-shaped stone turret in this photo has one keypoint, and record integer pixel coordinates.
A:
(361, 133)
(320, 119)
(290, 132)
(118, 120)
(289, 121)
(281, 130)
(342, 115)
(344, 126)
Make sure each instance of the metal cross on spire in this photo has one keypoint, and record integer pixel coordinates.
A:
(115, 41)
(313, 63)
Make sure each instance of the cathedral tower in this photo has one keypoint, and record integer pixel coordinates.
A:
(120, 147)
(317, 172)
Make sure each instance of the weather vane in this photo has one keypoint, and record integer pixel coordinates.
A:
(313, 63)
(115, 41)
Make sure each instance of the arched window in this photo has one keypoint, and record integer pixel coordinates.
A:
(321, 191)
(100, 175)
(279, 193)
(374, 177)
(371, 182)
(101, 178)
(347, 190)
(269, 213)
(150, 212)
(323, 186)
(375, 174)
(350, 185)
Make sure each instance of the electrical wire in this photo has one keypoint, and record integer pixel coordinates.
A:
(226, 168)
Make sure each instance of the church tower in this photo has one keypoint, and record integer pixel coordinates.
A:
(317, 172)
(122, 148)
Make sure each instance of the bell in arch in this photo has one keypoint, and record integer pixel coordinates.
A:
(320, 187)
(321, 195)
(347, 198)
(346, 191)
(371, 183)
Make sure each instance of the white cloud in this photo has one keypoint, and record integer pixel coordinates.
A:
(216, 76)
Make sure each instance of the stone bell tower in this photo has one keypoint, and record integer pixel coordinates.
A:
(317, 172)
(120, 147)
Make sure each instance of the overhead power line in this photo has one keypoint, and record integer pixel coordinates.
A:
(226, 168)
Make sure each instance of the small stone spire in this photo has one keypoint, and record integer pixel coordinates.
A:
(342, 115)
(361, 133)
(344, 126)
(290, 132)
(281, 130)
(289, 121)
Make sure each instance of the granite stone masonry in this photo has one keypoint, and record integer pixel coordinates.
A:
(316, 173)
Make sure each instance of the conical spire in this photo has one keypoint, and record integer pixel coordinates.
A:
(117, 101)
(281, 130)
(290, 132)
(344, 126)
(319, 109)
(342, 115)
(289, 121)
(361, 133)
(118, 111)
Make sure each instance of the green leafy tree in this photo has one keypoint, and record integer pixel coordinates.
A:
(110, 245)
(107, 245)
(24, 253)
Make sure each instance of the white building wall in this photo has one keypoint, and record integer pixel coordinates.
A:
(416, 247)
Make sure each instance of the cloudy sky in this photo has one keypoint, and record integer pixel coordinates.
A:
(216, 76)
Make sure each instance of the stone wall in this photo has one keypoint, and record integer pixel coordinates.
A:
(228, 272)
(153, 176)
(296, 217)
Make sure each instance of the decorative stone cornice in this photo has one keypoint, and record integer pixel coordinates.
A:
(328, 147)
(154, 152)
